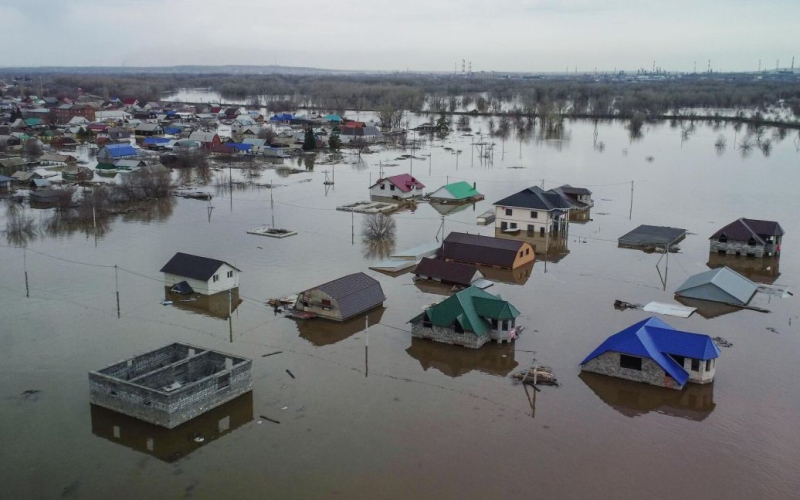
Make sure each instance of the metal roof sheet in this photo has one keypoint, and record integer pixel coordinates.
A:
(355, 293)
(193, 266)
(739, 288)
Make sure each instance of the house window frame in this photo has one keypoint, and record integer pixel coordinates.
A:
(695, 365)
(509, 212)
(215, 278)
(630, 362)
(534, 214)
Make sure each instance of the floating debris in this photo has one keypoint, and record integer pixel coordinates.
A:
(269, 419)
(722, 342)
(621, 305)
(369, 207)
(537, 375)
(773, 330)
(272, 232)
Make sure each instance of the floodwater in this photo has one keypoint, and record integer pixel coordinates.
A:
(375, 414)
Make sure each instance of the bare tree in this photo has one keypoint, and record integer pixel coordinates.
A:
(378, 227)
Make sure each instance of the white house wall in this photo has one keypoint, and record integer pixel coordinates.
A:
(388, 193)
(520, 218)
(209, 287)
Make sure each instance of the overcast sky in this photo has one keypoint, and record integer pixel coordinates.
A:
(426, 35)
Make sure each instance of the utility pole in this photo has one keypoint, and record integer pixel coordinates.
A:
(352, 228)
(366, 349)
(230, 314)
(272, 203)
(630, 215)
(116, 286)
(25, 263)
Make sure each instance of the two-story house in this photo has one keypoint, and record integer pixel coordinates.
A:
(532, 210)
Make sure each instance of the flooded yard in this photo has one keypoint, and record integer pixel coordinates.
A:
(367, 412)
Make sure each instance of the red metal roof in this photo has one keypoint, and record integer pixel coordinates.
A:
(404, 182)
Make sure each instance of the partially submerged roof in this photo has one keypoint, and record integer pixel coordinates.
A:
(645, 235)
(718, 285)
(534, 198)
(481, 249)
(470, 307)
(355, 293)
(119, 150)
(743, 229)
(450, 272)
(193, 266)
(461, 190)
(656, 340)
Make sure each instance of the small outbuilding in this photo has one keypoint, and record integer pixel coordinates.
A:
(203, 275)
(718, 285)
(652, 237)
(486, 250)
(112, 152)
(342, 298)
(448, 273)
(748, 237)
(653, 352)
(469, 318)
(403, 186)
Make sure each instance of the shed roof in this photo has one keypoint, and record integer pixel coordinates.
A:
(355, 293)
(535, 198)
(119, 150)
(739, 288)
(193, 266)
(451, 272)
(652, 235)
(656, 340)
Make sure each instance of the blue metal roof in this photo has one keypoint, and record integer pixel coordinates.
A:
(156, 140)
(239, 146)
(120, 150)
(655, 339)
(172, 130)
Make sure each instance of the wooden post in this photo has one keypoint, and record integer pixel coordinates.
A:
(116, 285)
(630, 215)
(25, 263)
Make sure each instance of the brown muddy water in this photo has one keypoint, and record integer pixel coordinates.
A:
(405, 418)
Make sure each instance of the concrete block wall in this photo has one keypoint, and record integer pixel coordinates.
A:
(608, 364)
(448, 336)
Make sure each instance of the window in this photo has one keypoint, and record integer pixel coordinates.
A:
(541, 231)
(383, 186)
(426, 321)
(678, 359)
(521, 253)
(391, 188)
(723, 239)
(505, 325)
(534, 214)
(513, 225)
(708, 365)
(230, 274)
(531, 229)
(494, 324)
(695, 365)
(326, 304)
(458, 327)
(215, 278)
(224, 381)
(630, 362)
(751, 242)
(509, 211)
(504, 225)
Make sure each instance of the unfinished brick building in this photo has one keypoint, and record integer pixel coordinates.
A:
(171, 385)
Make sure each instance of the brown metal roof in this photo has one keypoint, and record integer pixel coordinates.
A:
(481, 249)
(743, 229)
(447, 272)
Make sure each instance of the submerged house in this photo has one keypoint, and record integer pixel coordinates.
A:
(486, 250)
(457, 192)
(653, 352)
(111, 152)
(469, 318)
(342, 298)
(403, 186)
(748, 237)
(171, 385)
(448, 273)
(718, 285)
(200, 274)
(580, 199)
(533, 210)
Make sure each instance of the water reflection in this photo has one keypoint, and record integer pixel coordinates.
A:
(707, 308)
(633, 399)
(766, 270)
(320, 332)
(455, 361)
(518, 276)
(219, 305)
(550, 248)
(171, 445)
(451, 208)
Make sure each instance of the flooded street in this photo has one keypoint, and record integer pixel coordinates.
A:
(371, 413)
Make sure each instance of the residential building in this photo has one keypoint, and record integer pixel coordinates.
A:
(748, 237)
(342, 298)
(204, 275)
(456, 192)
(448, 273)
(208, 140)
(486, 250)
(403, 186)
(66, 112)
(653, 352)
(469, 318)
(111, 152)
(532, 210)
(718, 285)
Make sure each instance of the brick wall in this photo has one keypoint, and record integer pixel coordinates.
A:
(448, 336)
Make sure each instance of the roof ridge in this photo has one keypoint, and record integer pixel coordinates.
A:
(753, 233)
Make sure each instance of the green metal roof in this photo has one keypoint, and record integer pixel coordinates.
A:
(462, 190)
(472, 308)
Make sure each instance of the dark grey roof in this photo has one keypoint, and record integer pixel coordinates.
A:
(355, 293)
(448, 272)
(645, 235)
(535, 198)
(743, 229)
(193, 266)
(566, 188)
(481, 249)
(569, 194)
